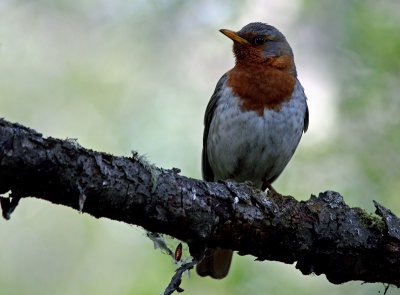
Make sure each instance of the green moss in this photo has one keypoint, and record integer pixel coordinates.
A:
(154, 171)
(372, 221)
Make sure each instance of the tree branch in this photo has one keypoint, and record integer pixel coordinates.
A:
(323, 234)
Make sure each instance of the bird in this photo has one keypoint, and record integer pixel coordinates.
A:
(254, 120)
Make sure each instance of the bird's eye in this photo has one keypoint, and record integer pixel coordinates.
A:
(259, 41)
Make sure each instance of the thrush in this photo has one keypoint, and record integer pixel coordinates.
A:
(253, 121)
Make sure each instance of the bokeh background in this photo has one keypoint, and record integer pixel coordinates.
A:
(137, 75)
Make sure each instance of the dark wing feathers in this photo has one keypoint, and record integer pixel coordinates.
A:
(208, 174)
(306, 115)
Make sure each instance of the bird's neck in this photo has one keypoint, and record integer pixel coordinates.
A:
(283, 63)
(264, 85)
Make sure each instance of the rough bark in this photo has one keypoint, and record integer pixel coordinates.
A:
(323, 235)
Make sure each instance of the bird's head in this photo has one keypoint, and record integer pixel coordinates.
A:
(259, 43)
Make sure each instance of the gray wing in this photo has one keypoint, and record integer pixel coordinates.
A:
(306, 115)
(208, 174)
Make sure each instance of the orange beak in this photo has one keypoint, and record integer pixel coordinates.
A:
(234, 36)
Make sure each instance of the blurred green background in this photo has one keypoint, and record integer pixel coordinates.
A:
(137, 75)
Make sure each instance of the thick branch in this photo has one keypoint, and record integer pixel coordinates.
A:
(323, 234)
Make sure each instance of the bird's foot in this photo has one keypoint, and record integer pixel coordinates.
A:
(266, 186)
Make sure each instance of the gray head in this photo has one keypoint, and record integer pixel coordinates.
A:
(258, 42)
